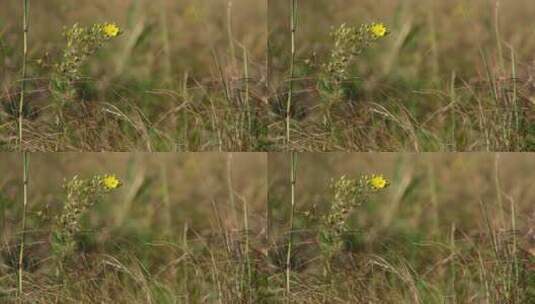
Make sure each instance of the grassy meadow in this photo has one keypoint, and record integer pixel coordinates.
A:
(223, 76)
(447, 228)
(172, 232)
(448, 76)
(216, 228)
(217, 76)
(174, 79)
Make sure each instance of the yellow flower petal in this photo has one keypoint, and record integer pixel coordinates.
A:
(111, 182)
(111, 30)
(378, 30)
(378, 182)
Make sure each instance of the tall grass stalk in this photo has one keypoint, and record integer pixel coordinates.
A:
(25, 157)
(453, 264)
(498, 36)
(25, 26)
(268, 45)
(230, 35)
(497, 184)
(247, 89)
(293, 27)
(290, 233)
(516, 111)
(230, 189)
(514, 253)
(25, 176)
(247, 248)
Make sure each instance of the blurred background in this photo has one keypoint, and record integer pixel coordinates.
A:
(430, 194)
(162, 40)
(172, 213)
(174, 62)
(447, 69)
(431, 39)
(161, 193)
(452, 222)
(176, 227)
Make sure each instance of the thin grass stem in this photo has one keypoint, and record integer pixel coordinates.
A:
(25, 176)
(25, 157)
(293, 28)
(290, 233)
(25, 25)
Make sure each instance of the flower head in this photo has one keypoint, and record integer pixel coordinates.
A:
(378, 182)
(378, 30)
(111, 182)
(110, 30)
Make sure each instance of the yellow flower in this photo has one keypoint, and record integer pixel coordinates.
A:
(378, 182)
(110, 30)
(111, 182)
(378, 30)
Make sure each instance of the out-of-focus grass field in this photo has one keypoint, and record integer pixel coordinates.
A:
(441, 233)
(173, 80)
(449, 228)
(451, 76)
(193, 76)
(148, 242)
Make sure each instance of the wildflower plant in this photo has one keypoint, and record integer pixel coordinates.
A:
(81, 195)
(347, 195)
(349, 43)
(82, 43)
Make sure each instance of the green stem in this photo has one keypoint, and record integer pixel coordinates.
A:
(26, 6)
(292, 211)
(25, 171)
(293, 22)
(25, 157)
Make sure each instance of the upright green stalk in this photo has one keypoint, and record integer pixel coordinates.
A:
(25, 157)
(293, 16)
(247, 90)
(26, 7)
(25, 167)
(514, 253)
(290, 234)
(247, 247)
